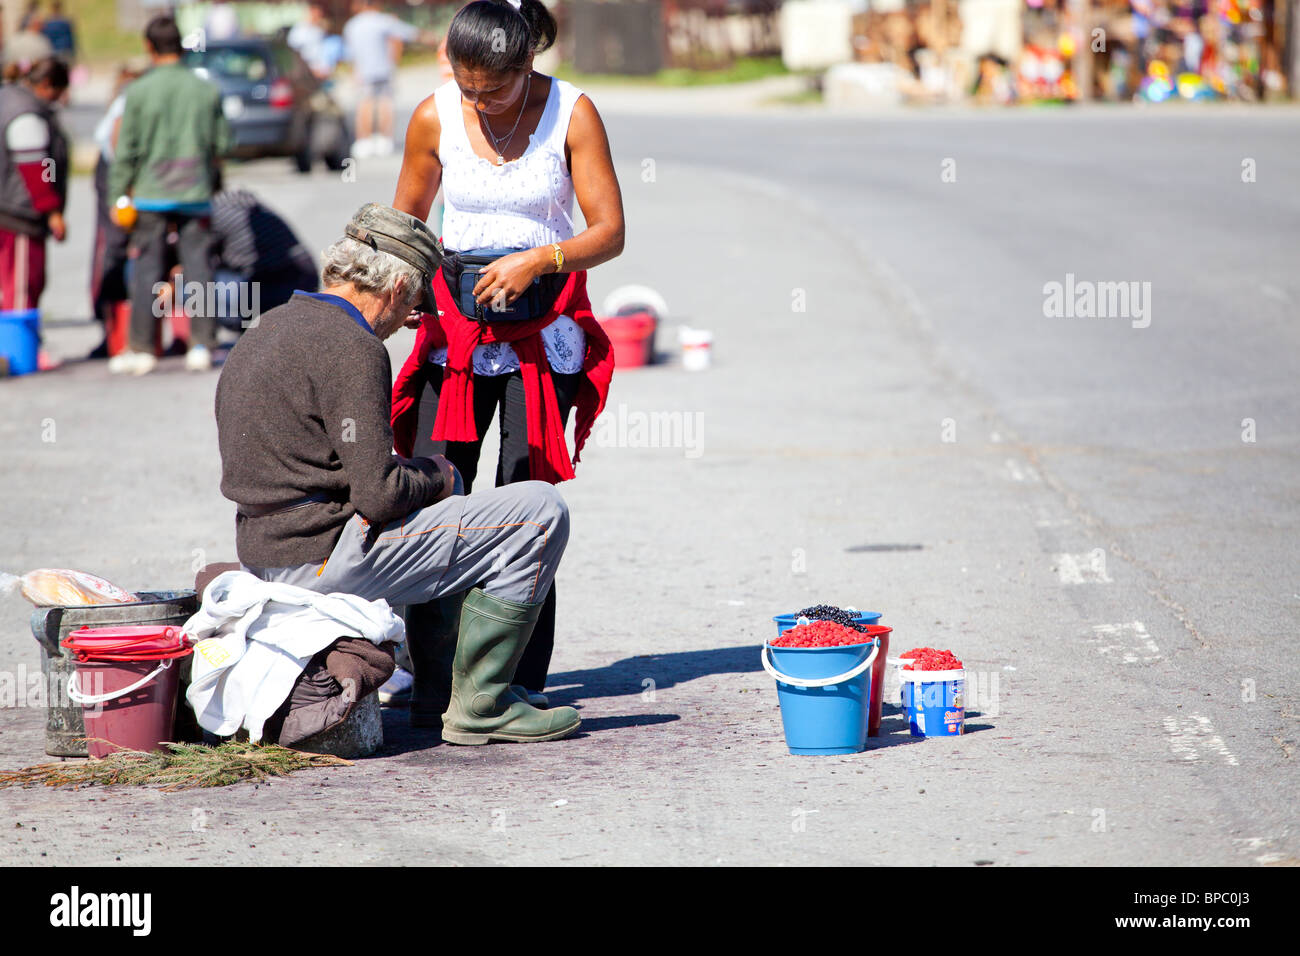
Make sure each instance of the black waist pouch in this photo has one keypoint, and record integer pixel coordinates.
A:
(462, 270)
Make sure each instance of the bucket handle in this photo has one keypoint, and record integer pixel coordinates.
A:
(819, 681)
(78, 697)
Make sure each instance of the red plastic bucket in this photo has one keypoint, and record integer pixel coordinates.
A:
(632, 336)
(877, 677)
(127, 681)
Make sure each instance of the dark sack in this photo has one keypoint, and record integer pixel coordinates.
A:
(462, 270)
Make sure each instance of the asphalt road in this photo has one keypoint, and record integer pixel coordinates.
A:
(892, 422)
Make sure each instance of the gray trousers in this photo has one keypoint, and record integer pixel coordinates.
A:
(507, 540)
(150, 266)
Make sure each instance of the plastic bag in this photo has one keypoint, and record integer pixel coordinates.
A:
(59, 587)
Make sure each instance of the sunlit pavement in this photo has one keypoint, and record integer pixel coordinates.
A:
(1096, 512)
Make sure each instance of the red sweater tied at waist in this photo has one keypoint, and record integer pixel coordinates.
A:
(548, 455)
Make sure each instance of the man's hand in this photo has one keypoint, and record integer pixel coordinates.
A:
(57, 227)
(450, 477)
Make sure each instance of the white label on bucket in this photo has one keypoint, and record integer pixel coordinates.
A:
(1086, 568)
(1192, 735)
(1127, 643)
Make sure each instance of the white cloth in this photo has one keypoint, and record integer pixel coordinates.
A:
(104, 128)
(254, 639)
(524, 204)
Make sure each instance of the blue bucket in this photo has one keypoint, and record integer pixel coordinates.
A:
(825, 695)
(786, 621)
(935, 702)
(20, 339)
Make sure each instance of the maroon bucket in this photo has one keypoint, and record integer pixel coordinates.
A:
(127, 682)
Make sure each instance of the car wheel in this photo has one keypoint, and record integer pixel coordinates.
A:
(332, 141)
(302, 159)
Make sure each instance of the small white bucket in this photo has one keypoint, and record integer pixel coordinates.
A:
(697, 348)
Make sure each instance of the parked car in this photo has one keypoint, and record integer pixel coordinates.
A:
(274, 103)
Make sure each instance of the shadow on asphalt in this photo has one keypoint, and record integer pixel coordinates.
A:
(592, 725)
(639, 675)
(646, 673)
(401, 738)
(895, 729)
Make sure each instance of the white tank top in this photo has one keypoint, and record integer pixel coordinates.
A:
(520, 205)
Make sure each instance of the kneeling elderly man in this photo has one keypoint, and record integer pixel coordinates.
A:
(323, 502)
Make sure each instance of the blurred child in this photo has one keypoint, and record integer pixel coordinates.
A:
(34, 172)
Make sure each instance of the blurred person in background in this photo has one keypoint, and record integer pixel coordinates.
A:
(168, 160)
(34, 173)
(260, 262)
(317, 42)
(58, 29)
(472, 137)
(109, 253)
(26, 47)
(221, 22)
(373, 42)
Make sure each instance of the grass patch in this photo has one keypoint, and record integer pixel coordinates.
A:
(180, 767)
(99, 41)
(801, 98)
(743, 70)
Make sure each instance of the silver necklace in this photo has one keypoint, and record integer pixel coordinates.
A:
(497, 144)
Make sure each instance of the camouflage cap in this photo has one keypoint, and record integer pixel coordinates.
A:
(402, 235)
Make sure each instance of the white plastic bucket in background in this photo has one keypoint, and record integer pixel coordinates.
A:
(635, 298)
(898, 663)
(938, 705)
(697, 348)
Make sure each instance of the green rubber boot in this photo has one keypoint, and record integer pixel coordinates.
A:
(431, 644)
(493, 634)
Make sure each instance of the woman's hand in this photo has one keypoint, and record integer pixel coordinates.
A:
(506, 279)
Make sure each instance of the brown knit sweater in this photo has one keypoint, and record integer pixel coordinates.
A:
(303, 409)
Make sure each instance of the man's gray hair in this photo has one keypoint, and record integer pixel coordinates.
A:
(369, 270)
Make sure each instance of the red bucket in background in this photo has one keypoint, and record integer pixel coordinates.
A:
(877, 677)
(127, 681)
(633, 338)
(119, 327)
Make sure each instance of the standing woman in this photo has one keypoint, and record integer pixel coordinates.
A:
(511, 149)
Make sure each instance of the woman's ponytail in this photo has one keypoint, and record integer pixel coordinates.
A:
(541, 24)
(497, 36)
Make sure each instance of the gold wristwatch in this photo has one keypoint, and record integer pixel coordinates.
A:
(558, 255)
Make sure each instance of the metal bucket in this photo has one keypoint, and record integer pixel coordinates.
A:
(65, 729)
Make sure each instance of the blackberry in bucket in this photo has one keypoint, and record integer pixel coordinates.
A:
(837, 615)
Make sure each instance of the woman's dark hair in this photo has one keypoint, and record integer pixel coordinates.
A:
(50, 70)
(163, 35)
(493, 36)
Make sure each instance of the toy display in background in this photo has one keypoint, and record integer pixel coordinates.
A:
(1043, 75)
(1220, 54)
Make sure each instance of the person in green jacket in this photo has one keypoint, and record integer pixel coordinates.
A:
(168, 162)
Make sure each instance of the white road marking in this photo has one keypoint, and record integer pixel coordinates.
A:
(1127, 643)
(1253, 844)
(1019, 472)
(1192, 735)
(1087, 568)
(1045, 519)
